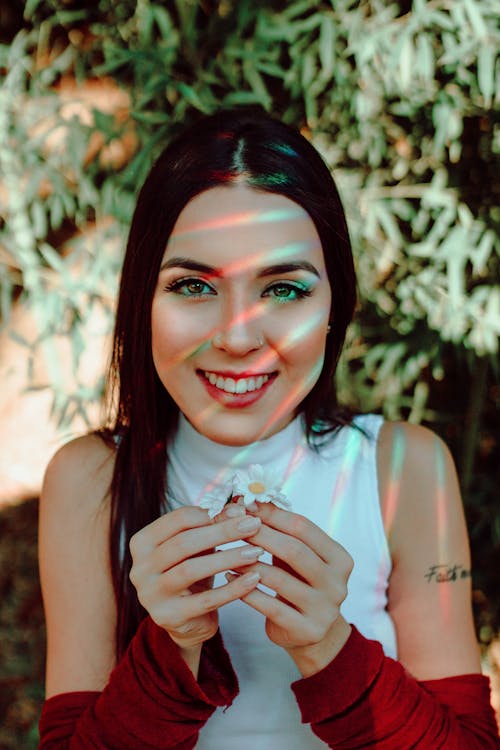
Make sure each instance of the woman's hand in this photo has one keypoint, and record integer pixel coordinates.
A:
(174, 562)
(309, 575)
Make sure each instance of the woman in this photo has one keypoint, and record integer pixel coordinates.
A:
(234, 505)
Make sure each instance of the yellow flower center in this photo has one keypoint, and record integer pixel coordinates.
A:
(257, 487)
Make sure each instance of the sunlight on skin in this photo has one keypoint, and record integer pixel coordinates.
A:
(267, 358)
(279, 412)
(394, 486)
(242, 219)
(441, 525)
(249, 265)
(301, 389)
(266, 258)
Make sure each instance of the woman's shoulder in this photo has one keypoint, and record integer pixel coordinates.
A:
(81, 469)
(413, 444)
(74, 565)
(416, 472)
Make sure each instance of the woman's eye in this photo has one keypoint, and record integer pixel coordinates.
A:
(190, 288)
(284, 292)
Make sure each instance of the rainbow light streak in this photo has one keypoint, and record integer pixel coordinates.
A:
(283, 148)
(247, 316)
(276, 178)
(268, 359)
(441, 526)
(243, 218)
(304, 329)
(392, 494)
(266, 258)
(353, 446)
(295, 395)
(281, 410)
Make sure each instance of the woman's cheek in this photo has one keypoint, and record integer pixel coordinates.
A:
(178, 335)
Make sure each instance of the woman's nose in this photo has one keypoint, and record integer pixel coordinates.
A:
(240, 335)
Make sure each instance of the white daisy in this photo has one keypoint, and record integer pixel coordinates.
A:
(259, 484)
(215, 500)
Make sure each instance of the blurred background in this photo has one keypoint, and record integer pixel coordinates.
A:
(400, 99)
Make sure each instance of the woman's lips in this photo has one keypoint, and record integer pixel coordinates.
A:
(235, 391)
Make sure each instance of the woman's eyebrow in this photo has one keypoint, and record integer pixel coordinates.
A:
(279, 268)
(275, 270)
(190, 265)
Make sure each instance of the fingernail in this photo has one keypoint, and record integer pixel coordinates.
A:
(233, 510)
(251, 551)
(249, 523)
(250, 578)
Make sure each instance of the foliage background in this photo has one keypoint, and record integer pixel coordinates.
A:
(400, 99)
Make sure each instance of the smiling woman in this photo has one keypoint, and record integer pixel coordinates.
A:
(260, 295)
(233, 530)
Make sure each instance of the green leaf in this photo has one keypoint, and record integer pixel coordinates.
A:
(406, 63)
(192, 96)
(327, 46)
(425, 63)
(486, 72)
(39, 218)
(56, 212)
(477, 22)
(296, 9)
(482, 252)
(256, 82)
(53, 258)
(30, 7)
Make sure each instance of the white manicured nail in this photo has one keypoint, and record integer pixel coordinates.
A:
(248, 552)
(233, 510)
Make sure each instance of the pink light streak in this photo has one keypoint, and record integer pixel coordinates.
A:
(243, 218)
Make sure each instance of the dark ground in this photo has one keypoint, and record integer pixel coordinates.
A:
(22, 629)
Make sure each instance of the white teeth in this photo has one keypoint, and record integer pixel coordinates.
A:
(240, 386)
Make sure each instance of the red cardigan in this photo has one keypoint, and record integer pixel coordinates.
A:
(362, 699)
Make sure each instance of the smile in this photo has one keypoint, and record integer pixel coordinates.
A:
(236, 385)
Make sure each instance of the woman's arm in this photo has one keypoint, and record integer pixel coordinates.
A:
(363, 699)
(351, 693)
(429, 596)
(151, 697)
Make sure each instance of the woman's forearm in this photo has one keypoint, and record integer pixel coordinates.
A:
(152, 699)
(364, 699)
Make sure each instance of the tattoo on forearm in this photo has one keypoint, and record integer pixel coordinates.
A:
(446, 573)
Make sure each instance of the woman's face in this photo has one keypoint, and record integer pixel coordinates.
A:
(240, 312)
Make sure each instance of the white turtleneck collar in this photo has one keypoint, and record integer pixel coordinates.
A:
(196, 463)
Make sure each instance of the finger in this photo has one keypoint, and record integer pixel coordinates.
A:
(167, 526)
(299, 527)
(297, 556)
(196, 569)
(231, 510)
(193, 541)
(278, 612)
(289, 588)
(195, 605)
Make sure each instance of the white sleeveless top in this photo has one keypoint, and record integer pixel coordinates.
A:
(337, 489)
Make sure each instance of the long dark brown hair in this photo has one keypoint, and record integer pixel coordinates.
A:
(244, 143)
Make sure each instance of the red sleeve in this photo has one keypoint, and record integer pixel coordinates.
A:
(152, 699)
(364, 699)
